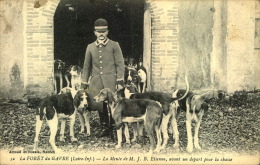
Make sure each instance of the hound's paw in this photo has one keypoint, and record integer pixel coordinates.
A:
(81, 131)
(176, 146)
(157, 150)
(118, 146)
(88, 134)
(189, 149)
(198, 147)
(163, 146)
(150, 153)
(58, 151)
(62, 139)
(133, 140)
(127, 145)
(73, 139)
(128, 141)
(35, 146)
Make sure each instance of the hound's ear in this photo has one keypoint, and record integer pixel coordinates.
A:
(205, 107)
(79, 70)
(76, 100)
(110, 97)
(133, 88)
(89, 101)
(120, 93)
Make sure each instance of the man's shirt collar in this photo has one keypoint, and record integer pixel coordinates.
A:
(102, 43)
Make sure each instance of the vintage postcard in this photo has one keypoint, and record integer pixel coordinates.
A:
(129, 81)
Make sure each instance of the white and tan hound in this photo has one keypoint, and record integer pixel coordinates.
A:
(132, 111)
(132, 77)
(59, 67)
(143, 77)
(57, 107)
(82, 104)
(75, 73)
(195, 107)
(165, 99)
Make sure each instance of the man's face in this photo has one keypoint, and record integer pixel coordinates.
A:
(101, 35)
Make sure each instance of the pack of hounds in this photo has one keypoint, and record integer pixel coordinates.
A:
(152, 110)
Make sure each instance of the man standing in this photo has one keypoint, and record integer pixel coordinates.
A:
(103, 68)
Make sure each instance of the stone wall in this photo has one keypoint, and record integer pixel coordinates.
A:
(26, 46)
(39, 43)
(165, 47)
(205, 38)
(257, 45)
(240, 45)
(195, 37)
(11, 49)
(219, 48)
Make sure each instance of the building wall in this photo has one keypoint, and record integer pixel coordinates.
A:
(27, 44)
(218, 61)
(195, 37)
(240, 45)
(11, 48)
(181, 40)
(39, 40)
(165, 45)
(257, 44)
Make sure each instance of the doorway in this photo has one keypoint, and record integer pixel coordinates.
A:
(74, 30)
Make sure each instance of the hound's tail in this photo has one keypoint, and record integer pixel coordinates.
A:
(187, 88)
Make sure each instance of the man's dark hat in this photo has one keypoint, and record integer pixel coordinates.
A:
(100, 24)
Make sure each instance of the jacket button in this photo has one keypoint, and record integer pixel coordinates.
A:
(101, 72)
(100, 62)
(101, 67)
(100, 51)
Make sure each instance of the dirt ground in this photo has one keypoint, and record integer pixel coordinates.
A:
(228, 129)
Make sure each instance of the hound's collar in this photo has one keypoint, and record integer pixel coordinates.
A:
(116, 101)
(102, 43)
(113, 104)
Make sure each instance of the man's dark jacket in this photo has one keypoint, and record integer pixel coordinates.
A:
(103, 65)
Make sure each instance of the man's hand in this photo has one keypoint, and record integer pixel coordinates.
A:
(84, 85)
(119, 84)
